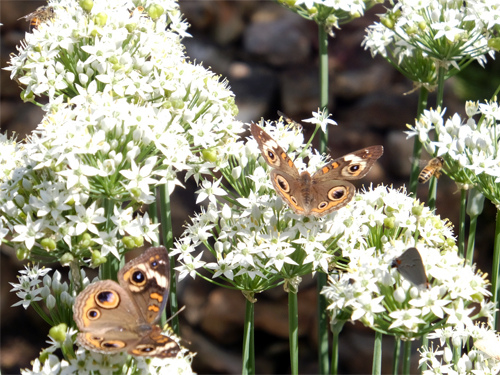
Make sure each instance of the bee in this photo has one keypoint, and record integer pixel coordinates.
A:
(290, 121)
(433, 168)
(39, 16)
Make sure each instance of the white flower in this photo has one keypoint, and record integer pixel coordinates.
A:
(321, 119)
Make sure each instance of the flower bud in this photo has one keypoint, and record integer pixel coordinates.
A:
(209, 154)
(97, 259)
(155, 11)
(475, 202)
(66, 259)
(100, 19)
(22, 253)
(48, 244)
(50, 302)
(87, 5)
(58, 332)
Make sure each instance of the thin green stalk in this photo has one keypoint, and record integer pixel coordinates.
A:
(471, 241)
(431, 201)
(168, 241)
(417, 145)
(377, 354)
(461, 224)
(495, 268)
(293, 331)
(425, 344)
(334, 367)
(440, 87)
(323, 80)
(395, 356)
(322, 329)
(248, 340)
(323, 145)
(406, 357)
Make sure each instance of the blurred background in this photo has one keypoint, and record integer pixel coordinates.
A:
(269, 56)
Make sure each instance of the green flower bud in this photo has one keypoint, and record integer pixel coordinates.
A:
(58, 332)
(131, 26)
(417, 210)
(494, 43)
(22, 253)
(50, 302)
(389, 222)
(128, 242)
(27, 97)
(86, 240)
(87, 5)
(155, 11)
(139, 241)
(209, 154)
(178, 104)
(97, 258)
(66, 259)
(48, 244)
(387, 22)
(289, 3)
(100, 19)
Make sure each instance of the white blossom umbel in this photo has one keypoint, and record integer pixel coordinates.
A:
(375, 229)
(468, 145)
(421, 37)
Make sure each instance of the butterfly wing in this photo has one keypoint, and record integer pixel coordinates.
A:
(411, 267)
(146, 279)
(352, 166)
(106, 317)
(155, 344)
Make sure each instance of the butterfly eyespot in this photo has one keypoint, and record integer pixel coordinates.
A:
(283, 184)
(322, 205)
(113, 344)
(138, 278)
(107, 299)
(93, 314)
(154, 263)
(271, 156)
(294, 200)
(337, 193)
(354, 168)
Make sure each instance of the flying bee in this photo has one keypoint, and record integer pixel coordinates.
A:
(433, 168)
(290, 121)
(39, 16)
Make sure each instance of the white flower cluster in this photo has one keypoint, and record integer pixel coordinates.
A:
(254, 239)
(469, 146)
(87, 362)
(375, 229)
(481, 359)
(419, 37)
(330, 13)
(129, 115)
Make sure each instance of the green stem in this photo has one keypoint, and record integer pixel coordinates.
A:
(461, 225)
(323, 145)
(334, 367)
(471, 241)
(406, 357)
(168, 241)
(425, 344)
(495, 268)
(395, 357)
(322, 328)
(440, 87)
(248, 340)
(293, 328)
(431, 201)
(377, 354)
(417, 145)
(323, 80)
(475, 205)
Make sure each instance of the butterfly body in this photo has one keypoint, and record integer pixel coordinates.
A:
(114, 317)
(325, 191)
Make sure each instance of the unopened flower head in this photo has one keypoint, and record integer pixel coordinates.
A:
(376, 229)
